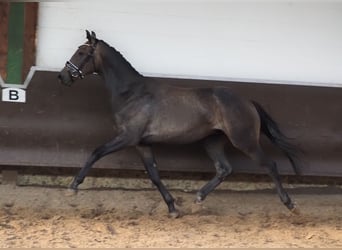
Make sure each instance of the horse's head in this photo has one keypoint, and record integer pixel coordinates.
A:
(82, 62)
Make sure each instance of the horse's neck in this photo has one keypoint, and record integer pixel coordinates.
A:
(120, 77)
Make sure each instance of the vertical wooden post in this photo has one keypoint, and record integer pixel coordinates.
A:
(30, 30)
(18, 24)
(15, 43)
(4, 10)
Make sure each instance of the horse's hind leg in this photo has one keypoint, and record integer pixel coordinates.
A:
(151, 167)
(214, 146)
(242, 125)
(257, 154)
(272, 171)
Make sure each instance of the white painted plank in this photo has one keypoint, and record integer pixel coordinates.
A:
(299, 42)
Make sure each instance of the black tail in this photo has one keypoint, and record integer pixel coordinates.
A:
(270, 128)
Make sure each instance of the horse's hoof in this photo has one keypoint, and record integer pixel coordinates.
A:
(70, 192)
(198, 200)
(174, 215)
(295, 210)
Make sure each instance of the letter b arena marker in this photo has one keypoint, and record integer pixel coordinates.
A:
(13, 95)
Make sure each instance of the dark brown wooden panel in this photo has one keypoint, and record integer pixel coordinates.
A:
(59, 126)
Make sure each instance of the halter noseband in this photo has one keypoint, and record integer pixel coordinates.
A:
(76, 71)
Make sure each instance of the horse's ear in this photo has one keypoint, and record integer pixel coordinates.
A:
(88, 35)
(91, 37)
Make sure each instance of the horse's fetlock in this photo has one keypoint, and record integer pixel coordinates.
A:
(288, 203)
(78, 181)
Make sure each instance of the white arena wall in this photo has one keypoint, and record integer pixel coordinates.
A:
(293, 42)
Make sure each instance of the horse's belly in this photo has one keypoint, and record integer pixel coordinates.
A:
(173, 138)
(178, 133)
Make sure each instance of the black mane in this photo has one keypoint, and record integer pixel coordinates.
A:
(116, 58)
(123, 80)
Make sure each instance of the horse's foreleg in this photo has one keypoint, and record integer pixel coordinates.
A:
(116, 144)
(214, 146)
(151, 167)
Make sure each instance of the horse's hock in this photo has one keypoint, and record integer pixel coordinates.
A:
(59, 126)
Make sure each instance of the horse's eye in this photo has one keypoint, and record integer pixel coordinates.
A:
(80, 53)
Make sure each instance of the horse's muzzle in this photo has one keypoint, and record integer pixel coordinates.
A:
(66, 80)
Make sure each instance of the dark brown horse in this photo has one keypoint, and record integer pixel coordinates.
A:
(147, 112)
